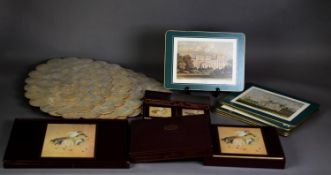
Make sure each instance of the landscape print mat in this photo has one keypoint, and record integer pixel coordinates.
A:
(271, 103)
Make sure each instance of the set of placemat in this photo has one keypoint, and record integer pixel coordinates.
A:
(261, 106)
(93, 99)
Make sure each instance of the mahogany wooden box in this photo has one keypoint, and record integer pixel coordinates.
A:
(58, 143)
(170, 139)
(246, 146)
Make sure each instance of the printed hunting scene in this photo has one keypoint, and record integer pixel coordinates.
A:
(236, 140)
(69, 140)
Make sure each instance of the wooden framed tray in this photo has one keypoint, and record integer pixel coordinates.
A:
(246, 146)
(58, 143)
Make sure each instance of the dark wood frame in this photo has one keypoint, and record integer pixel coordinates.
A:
(27, 137)
(275, 157)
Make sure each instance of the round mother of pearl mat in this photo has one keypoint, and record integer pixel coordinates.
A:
(85, 88)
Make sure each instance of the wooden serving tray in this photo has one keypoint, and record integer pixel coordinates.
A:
(61, 143)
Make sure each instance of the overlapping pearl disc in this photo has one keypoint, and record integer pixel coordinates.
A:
(85, 88)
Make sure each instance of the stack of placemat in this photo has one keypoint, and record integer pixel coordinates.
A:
(74, 88)
(260, 106)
